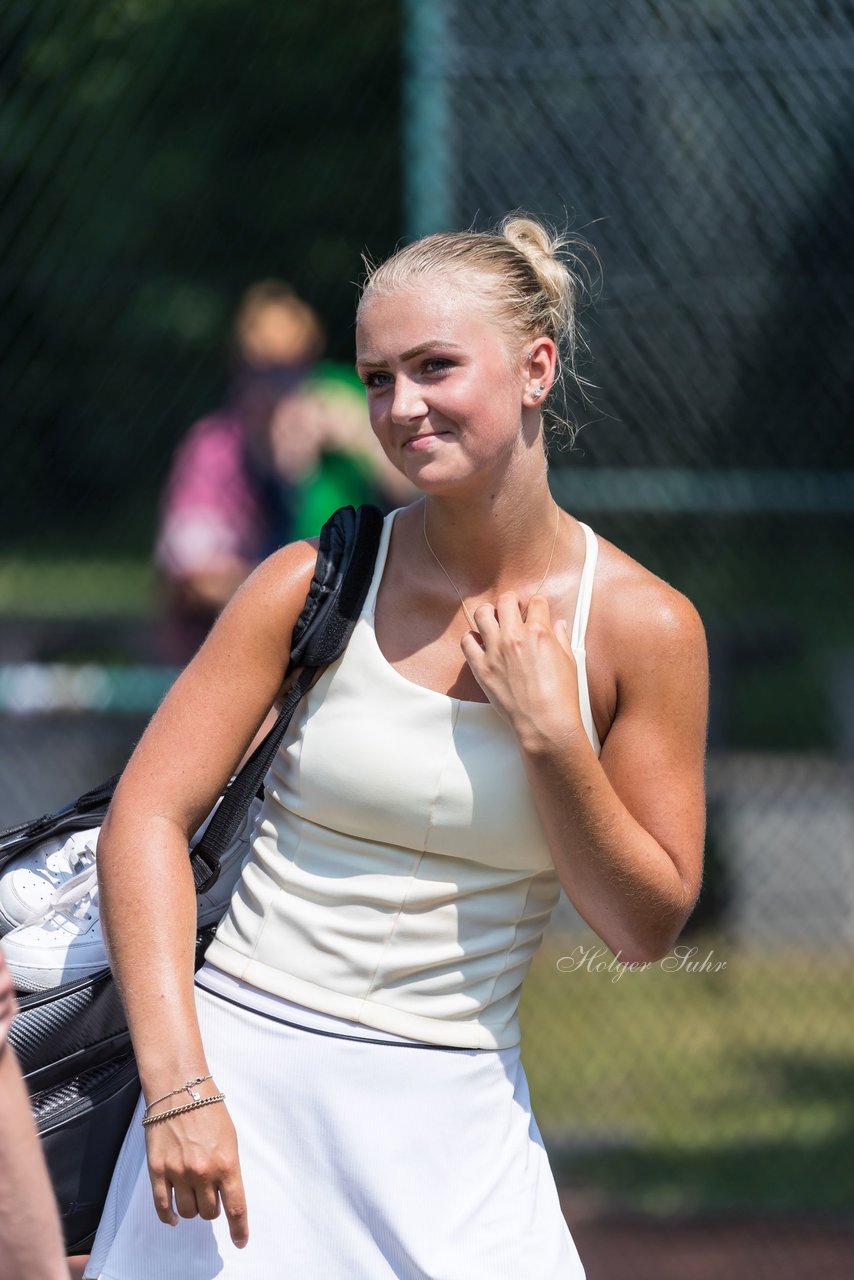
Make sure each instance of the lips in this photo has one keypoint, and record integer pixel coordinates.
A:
(421, 441)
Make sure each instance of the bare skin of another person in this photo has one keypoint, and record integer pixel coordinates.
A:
(31, 1242)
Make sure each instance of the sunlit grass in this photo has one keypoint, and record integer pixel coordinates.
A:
(72, 586)
(677, 1089)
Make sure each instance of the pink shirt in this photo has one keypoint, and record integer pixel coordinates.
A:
(212, 511)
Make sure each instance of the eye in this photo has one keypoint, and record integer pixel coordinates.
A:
(438, 364)
(374, 379)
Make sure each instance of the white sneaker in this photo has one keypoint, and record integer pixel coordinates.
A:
(65, 942)
(31, 880)
(62, 944)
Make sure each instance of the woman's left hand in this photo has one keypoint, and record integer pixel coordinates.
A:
(525, 667)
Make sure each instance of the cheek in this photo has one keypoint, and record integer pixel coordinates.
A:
(378, 415)
(380, 420)
(492, 405)
(495, 377)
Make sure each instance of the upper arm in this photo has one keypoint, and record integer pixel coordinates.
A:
(208, 718)
(654, 753)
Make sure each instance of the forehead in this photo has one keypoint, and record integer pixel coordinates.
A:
(402, 318)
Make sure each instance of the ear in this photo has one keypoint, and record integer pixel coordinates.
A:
(540, 371)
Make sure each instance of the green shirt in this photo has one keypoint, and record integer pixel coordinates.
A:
(342, 479)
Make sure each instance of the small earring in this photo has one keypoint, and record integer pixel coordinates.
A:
(539, 391)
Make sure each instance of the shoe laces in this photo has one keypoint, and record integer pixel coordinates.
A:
(77, 896)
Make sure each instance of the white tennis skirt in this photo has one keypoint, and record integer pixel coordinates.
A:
(364, 1156)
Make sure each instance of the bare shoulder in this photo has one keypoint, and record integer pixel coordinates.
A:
(263, 613)
(643, 622)
(211, 713)
(277, 587)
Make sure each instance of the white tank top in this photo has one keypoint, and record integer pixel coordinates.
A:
(399, 875)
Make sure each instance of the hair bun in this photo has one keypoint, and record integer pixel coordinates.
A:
(529, 236)
(561, 275)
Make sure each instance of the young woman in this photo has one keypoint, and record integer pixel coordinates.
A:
(442, 781)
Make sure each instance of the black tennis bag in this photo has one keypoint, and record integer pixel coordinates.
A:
(73, 1042)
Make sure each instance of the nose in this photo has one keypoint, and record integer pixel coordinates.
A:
(407, 402)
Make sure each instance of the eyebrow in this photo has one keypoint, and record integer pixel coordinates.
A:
(411, 353)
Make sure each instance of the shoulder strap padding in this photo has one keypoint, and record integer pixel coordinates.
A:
(342, 576)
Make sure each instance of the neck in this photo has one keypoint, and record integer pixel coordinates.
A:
(492, 541)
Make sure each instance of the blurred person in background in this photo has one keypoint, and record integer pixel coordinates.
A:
(31, 1243)
(293, 443)
(348, 465)
(227, 500)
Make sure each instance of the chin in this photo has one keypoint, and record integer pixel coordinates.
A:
(440, 483)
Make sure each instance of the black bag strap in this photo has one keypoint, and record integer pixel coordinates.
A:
(346, 556)
(86, 811)
(345, 562)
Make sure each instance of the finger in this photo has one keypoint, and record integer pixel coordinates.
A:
(163, 1201)
(472, 649)
(538, 610)
(234, 1204)
(207, 1199)
(509, 610)
(185, 1201)
(484, 616)
(562, 635)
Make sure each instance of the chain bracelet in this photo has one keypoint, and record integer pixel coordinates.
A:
(185, 1088)
(188, 1106)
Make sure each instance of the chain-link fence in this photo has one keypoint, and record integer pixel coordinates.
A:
(706, 152)
(156, 159)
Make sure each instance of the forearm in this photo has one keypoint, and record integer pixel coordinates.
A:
(148, 912)
(618, 877)
(30, 1236)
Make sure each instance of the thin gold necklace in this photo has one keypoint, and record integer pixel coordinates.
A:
(471, 620)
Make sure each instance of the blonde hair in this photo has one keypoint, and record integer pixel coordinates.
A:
(538, 280)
